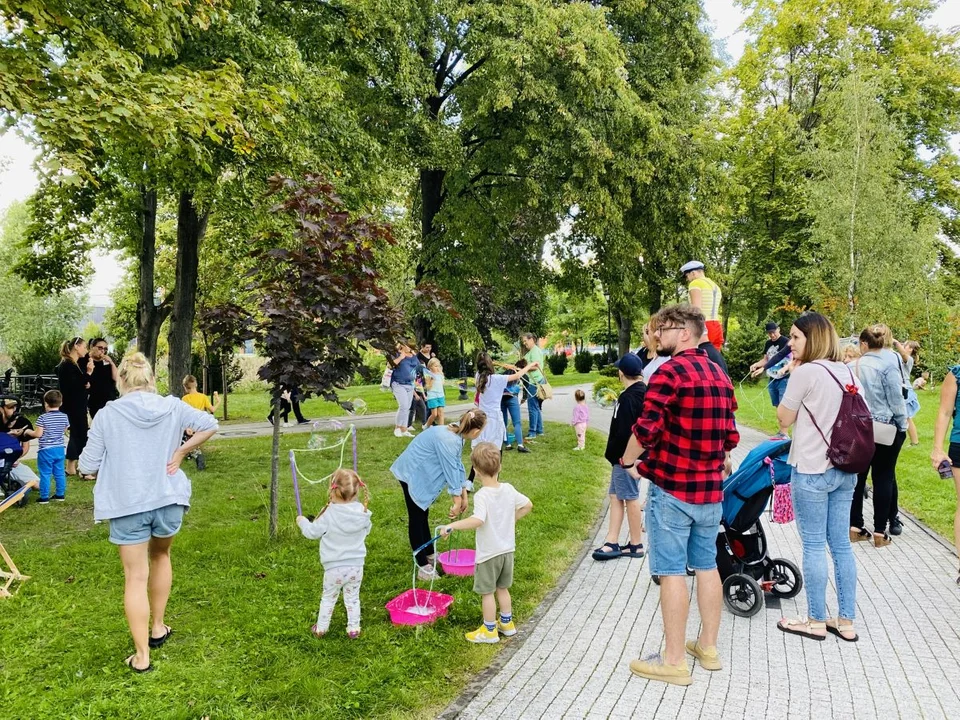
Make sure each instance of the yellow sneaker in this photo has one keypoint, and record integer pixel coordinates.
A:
(483, 636)
(508, 629)
(653, 668)
(709, 657)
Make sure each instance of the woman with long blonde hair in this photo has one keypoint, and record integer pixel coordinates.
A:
(135, 450)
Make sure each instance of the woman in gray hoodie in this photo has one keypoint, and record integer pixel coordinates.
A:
(135, 449)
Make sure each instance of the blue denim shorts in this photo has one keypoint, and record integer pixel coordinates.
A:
(681, 534)
(622, 485)
(139, 528)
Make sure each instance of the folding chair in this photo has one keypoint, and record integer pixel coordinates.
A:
(9, 574)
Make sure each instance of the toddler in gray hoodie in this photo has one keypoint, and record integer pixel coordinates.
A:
(342, 528)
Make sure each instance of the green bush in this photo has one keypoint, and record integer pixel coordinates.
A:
(744, 347)
(583, 361)
(557, 363)
(609, 371)
(38, 356)
(612, 383)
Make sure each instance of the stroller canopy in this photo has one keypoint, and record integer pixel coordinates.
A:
(746, 492)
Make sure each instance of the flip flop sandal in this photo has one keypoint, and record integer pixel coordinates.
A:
(801, 627)
(838, 630)
(129, 663)
(157, 642)
(612, 554)
(633, 551)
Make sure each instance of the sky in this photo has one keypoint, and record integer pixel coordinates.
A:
(18, 180)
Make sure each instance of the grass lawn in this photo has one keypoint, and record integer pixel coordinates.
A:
(254, 406)
(242, 604)
(921, 491)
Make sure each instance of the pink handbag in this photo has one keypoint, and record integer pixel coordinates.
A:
(782, 499)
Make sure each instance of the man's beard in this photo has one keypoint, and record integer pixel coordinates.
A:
(663, 352)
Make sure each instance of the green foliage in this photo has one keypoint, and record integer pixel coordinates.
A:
(611, 383)
(583, 361)
(31, 324)
(609, 371)
(38, 354)
(743, 348)
(557, 363)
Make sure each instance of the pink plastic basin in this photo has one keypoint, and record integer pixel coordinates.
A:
(458, 562)
(418, 607)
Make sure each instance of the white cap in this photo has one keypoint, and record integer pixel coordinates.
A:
(692, 265)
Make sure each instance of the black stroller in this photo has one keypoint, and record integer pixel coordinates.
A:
(10, 452)
(745, 567)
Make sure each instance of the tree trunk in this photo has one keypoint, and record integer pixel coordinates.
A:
(431, 200)
(624, 333)
(191, 226)
(275, 466)
(149, 316)
(654, 296)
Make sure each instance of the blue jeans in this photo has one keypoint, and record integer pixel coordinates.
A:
(681, 534)
(50, 462)
(777, 388)
(533, 410)
(822, 506)
(510, 406)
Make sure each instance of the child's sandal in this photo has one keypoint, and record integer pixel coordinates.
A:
(316, 633)
(633, 551)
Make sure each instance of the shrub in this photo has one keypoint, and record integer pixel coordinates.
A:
(744, 347)
(583, 361)
(612, 383)
(557, 363)
(610, 371)
(38, 356)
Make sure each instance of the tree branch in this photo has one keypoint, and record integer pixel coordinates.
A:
(461, 78)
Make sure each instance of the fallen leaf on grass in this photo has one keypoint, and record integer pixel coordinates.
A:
(69, 579)
(259, 576)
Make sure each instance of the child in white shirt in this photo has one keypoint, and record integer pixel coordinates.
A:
(496, 508)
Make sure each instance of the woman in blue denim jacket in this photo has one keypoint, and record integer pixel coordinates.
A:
(882, 388)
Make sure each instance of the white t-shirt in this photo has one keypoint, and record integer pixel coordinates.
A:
(655, 365)
(494, 431)
(497, 508)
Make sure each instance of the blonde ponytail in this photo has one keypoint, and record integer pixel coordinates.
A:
(135, 373)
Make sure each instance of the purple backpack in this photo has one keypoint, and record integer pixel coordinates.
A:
(851, 445)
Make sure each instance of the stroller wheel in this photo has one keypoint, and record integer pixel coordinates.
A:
(787, 578)
(742, 595)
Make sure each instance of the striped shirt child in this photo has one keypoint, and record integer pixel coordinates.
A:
(54, 424)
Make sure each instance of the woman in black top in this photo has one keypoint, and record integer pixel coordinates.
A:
(74, 385)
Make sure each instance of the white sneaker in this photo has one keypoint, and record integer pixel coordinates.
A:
(396, 432)
(427, 573)
(286, 424)
(408, 433)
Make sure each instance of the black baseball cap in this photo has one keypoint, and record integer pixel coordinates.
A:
(629, 365)
(771, 326)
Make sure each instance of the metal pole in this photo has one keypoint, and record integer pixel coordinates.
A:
(463, 373)
(223, 371)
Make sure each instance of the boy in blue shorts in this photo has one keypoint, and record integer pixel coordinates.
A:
(624, 490)
(53, 448)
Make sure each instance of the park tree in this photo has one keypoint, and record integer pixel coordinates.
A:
(505, 111)
(872, 246)
(317, 297)
(800, 53)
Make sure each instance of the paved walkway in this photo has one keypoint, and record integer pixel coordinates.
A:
(571, 660)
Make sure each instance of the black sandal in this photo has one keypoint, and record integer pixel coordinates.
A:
(157, 642)
(612, 554)
(633, 551)
(129, 663)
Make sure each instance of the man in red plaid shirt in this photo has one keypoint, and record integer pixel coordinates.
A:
(687, 431)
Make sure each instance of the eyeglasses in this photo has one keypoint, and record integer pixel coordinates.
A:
(102, 348)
